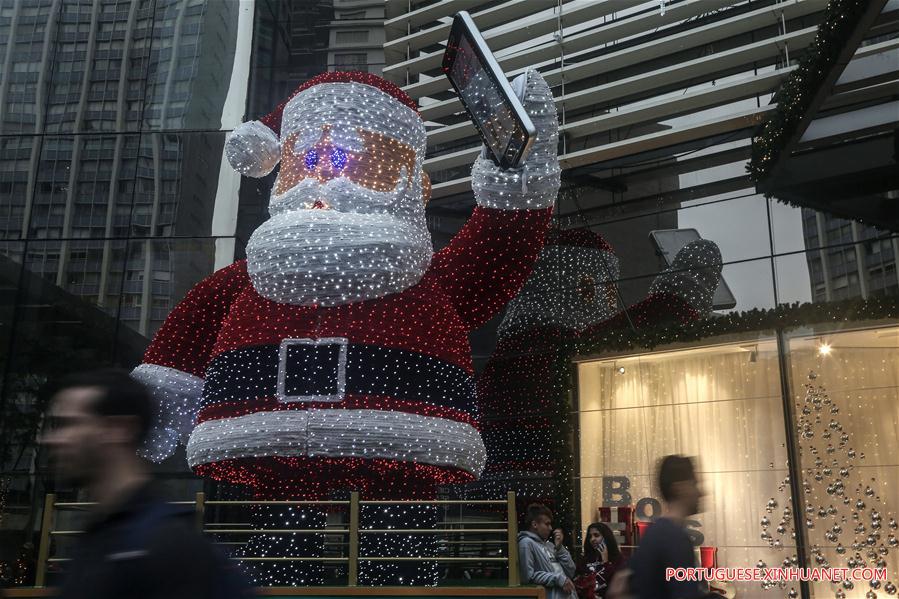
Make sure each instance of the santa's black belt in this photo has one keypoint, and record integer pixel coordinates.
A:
(328, 369)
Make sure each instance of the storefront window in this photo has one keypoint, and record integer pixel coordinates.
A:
(723, 404)
(720, 404)
(846, 388)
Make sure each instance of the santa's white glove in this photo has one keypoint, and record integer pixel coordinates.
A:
(177, 395)
(693, 275)
(535, 183)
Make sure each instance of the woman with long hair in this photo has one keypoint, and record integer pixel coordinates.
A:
(600, 560)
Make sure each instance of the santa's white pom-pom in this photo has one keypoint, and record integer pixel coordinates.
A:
(253, 149)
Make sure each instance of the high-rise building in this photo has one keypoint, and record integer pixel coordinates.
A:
(102, 96)
(112, 202)
(848, 259)
(357, 36)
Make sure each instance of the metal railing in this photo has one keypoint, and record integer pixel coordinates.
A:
(353, 531)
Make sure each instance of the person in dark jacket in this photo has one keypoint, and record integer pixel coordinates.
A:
(600, 560)
(136, 546)
(666, 543)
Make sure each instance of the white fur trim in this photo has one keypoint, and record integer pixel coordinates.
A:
(339, 433)
(177, 396)
(253, 149)
(345, 105)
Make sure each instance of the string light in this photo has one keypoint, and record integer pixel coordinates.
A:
(279, 573)
(693, 275)
(405, 517)
(570, 294)
(847, 517)
(841, 17)
(337, 356)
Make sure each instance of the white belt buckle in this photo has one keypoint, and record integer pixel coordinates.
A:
(283, 396)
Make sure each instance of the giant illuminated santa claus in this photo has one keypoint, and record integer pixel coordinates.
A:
(336, 356)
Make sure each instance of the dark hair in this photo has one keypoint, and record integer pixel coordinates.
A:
(121, 396)
(590, 552)
(674, 469)
(535, 510)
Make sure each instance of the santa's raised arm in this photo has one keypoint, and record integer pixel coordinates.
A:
(338, 351)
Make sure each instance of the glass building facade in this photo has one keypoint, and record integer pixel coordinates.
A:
(113, 116)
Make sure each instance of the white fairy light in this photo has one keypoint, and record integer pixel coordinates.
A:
(337, 357)
(693, 275)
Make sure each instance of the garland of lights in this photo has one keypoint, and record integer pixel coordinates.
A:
(337, 356)
(782, 317)
(795, 95)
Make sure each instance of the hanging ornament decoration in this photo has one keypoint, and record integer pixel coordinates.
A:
(336, 357)
(862, 537)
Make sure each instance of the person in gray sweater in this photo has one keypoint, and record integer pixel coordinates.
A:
(542, 561)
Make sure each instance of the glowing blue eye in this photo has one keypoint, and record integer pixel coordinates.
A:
(338, 158)
(311, 159)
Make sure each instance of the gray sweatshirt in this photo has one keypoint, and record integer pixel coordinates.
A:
(540, 563)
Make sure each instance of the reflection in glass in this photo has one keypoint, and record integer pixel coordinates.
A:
(18, 158)
(190, 63)
(63, 323)
(99, 65)
(158, 273)
(176, 184)
(82, 187)
(849, 259)
(717, 403)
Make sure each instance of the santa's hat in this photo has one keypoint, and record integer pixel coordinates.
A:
(570, 287)
(578, 237)
(342, 100)
(583, 253)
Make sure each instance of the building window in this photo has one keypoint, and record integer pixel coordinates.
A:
(358, 14)
(352, 37)
(350, 62)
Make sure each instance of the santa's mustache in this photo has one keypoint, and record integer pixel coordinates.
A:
(339, 194)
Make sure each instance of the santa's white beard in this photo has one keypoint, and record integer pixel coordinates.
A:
(328, 257)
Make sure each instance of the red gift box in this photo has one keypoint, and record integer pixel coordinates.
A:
(620, 519)
(642, 525)
(708, 557)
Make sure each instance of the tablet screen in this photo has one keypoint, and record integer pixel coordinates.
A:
(482, 97)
